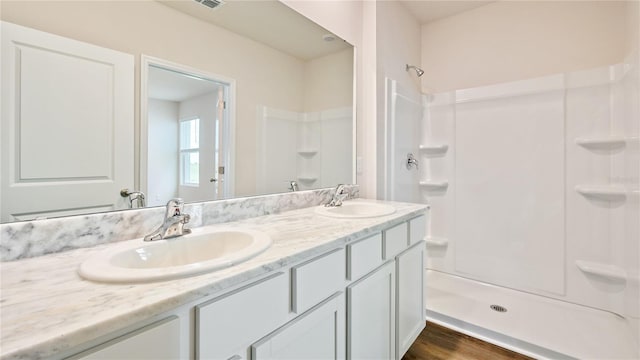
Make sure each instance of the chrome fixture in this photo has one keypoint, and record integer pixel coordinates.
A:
(338, 196)
(411, 161)
(137, 196)
(418, 71)
(173, 224)
(293, 186)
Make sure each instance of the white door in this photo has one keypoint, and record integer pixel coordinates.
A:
(67, 125)
(316, 334)
(410, 294)
(371, 315)
(201, 159)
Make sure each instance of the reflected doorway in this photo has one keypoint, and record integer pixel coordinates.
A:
(187, 125)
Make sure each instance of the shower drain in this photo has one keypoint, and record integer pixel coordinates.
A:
(498, 308)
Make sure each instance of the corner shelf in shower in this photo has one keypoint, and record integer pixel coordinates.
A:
(436, 149)
(602, 192)
(436, 241)
(610, 272)
(431, 185)
(307, 152)
(602, 142)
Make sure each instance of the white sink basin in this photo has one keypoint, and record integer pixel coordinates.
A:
(355, 210)
(206, 249)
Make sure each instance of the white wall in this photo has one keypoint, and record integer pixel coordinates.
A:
(328, 81)
(163, 152)
(512, 40)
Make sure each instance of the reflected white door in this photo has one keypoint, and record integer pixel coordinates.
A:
(201, 159)
(187, 116)
(67, 125)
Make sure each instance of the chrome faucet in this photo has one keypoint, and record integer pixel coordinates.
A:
(293, 185)
(338, 196)
(173, 224)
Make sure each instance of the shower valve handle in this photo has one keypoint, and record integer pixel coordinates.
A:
(411, 161)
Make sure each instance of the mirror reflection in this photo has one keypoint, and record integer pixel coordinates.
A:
(249, 98)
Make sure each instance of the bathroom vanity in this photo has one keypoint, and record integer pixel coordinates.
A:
(327, 288)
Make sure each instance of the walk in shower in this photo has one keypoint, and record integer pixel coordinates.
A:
(533, 238)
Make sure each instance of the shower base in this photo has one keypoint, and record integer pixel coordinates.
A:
(533, 325)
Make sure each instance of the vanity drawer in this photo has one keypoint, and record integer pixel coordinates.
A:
(226, 325)
(363, 256)
(395, 240)
(417, 229)
(316, 280)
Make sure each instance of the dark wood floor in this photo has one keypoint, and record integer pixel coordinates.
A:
(439, 343)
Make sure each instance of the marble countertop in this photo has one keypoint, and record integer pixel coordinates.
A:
(47, 308)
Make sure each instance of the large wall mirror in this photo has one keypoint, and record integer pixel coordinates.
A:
(234, 100)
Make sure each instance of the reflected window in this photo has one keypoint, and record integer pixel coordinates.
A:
(190, 152)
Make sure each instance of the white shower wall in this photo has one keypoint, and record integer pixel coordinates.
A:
(312, 148)
(541, 187)
(402, 137)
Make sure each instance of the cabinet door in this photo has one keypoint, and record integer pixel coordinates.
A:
(316, 334)
(410, 296)
(227, 325)
(160, 340)
(371, 315)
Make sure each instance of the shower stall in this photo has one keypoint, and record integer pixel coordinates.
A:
(533, 237)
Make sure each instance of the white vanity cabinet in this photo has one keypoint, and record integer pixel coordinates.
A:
(317, 334)
(160, 340)
(228, 324)
(363, 300)
(410, 307)
(385, 309)
(371, 315)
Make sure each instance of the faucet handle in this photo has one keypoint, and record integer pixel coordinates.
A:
(174, 207)
(411, 161)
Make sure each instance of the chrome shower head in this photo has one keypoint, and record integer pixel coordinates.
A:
(418, 71)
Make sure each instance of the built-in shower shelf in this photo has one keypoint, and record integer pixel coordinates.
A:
(307, 152)
(436, 241)
(436, 149)
(602, 192)
(611, 272)
(307, 178)
(431, 185)
(602, 142)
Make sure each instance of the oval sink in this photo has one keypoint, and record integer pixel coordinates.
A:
(354, 210)
(206, 249)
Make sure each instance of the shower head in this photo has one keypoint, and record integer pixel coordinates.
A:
(418, 71)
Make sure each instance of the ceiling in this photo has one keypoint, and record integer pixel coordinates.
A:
(172, 86)
(266, 21)
(427, 11)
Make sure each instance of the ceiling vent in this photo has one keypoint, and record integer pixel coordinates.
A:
(212, 4)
